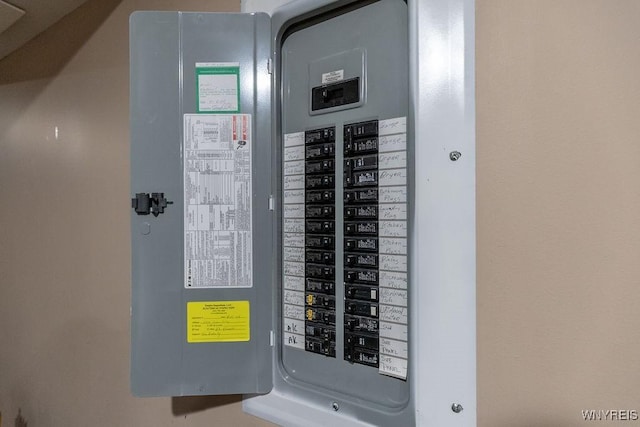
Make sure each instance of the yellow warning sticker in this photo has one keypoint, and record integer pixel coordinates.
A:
(217, 321)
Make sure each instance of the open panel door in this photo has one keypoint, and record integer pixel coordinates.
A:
(202, 265)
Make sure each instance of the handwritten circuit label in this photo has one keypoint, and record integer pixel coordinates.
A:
(218, 321)
(293, 238)
(393, 214)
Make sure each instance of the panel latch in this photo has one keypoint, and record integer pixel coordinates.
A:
(145, 203)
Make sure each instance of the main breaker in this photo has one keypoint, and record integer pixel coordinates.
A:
(274, 212)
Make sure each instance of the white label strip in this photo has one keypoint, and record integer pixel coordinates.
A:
(392, 177)
(393, 262)
(391, 313)
(391, 126)
(394, 348)
(295, 312)
(294, 268)
(293, 254)
(294, 326)
(332, 76)
(294, 297)
(295, 167)
(294, 340)
(395, 331)
(393, 279)
(217, 247)
(294, 153)
(294, 240)
(294, 196)
(392, 228)
(293, 139)
(294, 182)
(393, 160)
(393, 246)
(392, 194)
(393, 211)
(294, 211)
(294, 283)
(393, 367)
(393, 296)
(392, 143)
(294, 226)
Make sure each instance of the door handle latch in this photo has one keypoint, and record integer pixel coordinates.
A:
(154, 203)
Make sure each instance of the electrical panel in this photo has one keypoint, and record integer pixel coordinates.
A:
(272, 199)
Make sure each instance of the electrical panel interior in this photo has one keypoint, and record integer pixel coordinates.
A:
(327, 229)
(344, 204)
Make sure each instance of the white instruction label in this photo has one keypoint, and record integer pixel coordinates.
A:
(332, 76)
(217, 201)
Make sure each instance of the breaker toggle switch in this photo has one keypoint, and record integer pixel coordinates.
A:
(145, 203)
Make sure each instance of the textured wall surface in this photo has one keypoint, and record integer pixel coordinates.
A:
(558, 227)
(558, 193)
(64, 230)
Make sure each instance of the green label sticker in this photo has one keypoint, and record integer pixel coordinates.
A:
(218, 87)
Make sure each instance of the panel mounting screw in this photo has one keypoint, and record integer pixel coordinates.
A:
(335, 406)
(456, 407)
(455, 155)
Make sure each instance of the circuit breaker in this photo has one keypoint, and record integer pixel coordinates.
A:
(272, 198)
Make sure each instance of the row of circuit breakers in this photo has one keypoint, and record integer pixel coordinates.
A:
(360, 243)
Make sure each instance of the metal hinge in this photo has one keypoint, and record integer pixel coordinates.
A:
(269, 66)
(271, 204)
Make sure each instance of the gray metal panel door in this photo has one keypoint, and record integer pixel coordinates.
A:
(165, 47)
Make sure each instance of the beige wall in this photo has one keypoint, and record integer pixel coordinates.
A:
(558, 190)
(558, 225)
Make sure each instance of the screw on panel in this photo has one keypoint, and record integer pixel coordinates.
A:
(335, 406)
(455, 155)
(457, 408)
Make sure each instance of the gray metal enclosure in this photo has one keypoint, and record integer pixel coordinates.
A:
(165, 46)
(342, 64)
(369, 43)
